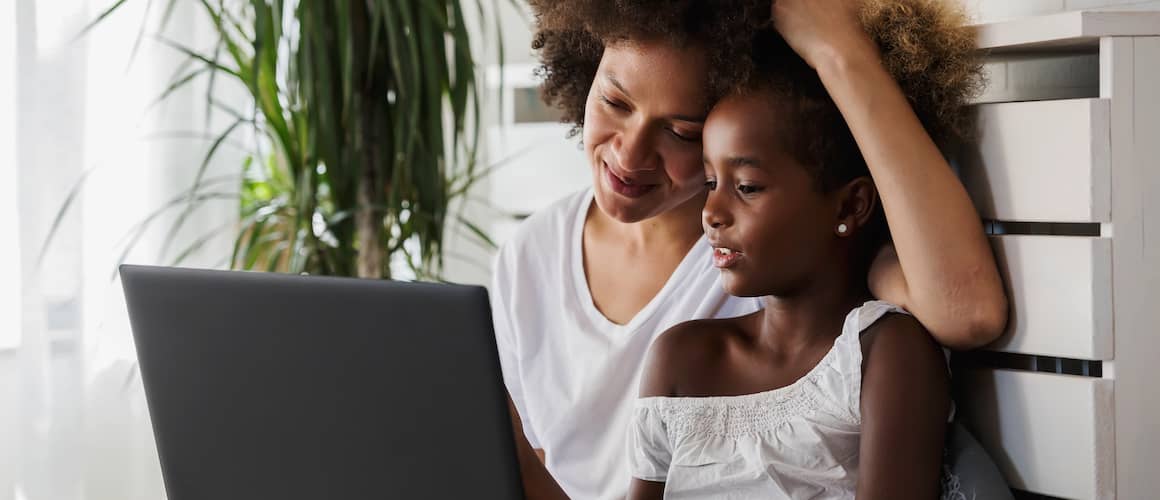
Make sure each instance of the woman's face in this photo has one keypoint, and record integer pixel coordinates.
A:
(642, 128)
(769, 225)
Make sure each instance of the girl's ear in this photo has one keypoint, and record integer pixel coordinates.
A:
(856, 203)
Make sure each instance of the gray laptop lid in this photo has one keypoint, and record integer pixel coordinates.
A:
(267, 386)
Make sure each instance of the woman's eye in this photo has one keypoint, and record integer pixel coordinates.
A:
(611, 103)
(711, 184)
(684, 137)
(748, 188)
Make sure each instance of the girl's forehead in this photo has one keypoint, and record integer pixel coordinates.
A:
(747, 124)
(760, 113)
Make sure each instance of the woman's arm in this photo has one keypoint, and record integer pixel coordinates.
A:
(945, 272)
(538, 482)
(645, 490)
(946, 268)
(905, 403)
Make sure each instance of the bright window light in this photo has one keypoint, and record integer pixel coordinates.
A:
(10, 297)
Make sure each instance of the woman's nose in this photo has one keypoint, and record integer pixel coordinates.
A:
(633, 150)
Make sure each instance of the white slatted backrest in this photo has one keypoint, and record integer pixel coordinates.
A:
(1068, 166)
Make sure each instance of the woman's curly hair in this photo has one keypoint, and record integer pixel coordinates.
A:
(930, 50)
(571, 35)
(924, 44)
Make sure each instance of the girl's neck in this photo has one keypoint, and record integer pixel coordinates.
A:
(816, 313)
(678, 226)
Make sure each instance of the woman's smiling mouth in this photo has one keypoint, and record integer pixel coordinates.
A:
(623, 187)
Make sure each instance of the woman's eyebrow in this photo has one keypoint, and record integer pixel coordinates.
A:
(616, 83)
(696, 119)
(699, 120)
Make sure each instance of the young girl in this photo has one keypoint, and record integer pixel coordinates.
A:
(824, 393)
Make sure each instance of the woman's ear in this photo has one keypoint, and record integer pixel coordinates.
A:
(857, 201)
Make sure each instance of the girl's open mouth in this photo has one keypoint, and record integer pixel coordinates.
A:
(725, 258)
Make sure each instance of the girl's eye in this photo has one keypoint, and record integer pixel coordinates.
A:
(748, 189)
(711, 184)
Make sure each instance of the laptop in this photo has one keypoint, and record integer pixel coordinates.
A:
(275, 386)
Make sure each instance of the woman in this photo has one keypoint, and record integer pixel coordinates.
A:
(638, 78)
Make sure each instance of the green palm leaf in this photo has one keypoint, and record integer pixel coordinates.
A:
(365, 117)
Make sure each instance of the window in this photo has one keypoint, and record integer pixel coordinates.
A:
(10, 268)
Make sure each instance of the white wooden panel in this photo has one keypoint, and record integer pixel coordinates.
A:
(1050, 434)
(1044, 161)
(1060, 289)
(1066, 30)
(1038, 77)
(994, 10)
(1131, 79)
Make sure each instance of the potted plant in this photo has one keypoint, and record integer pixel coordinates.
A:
(367, 118)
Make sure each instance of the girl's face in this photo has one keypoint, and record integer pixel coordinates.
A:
(769, 225)
(642, 128)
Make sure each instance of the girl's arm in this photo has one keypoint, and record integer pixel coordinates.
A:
(905, 403)
(944, 271)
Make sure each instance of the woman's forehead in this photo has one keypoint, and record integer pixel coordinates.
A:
(647, 70)
(660, 52)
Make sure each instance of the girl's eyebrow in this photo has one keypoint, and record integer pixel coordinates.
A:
(736, 161)
(742, 161)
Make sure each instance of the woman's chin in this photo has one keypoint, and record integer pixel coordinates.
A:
(623, 209)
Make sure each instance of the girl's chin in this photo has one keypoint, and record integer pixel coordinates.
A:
(737, 287)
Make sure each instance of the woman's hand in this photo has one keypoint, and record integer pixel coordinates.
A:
(819, 30)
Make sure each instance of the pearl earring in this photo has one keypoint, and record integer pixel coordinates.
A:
(842, 228)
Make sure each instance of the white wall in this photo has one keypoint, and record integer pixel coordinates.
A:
(994, 10)
(9, 253)
(466, 260)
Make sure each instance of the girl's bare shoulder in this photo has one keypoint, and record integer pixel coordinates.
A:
(689, 346)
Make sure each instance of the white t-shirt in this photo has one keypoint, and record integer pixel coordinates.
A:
(572, 373)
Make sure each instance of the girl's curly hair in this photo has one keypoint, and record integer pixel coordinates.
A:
(925, 45)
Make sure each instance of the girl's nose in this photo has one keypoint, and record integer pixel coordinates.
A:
(714, 215)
